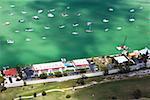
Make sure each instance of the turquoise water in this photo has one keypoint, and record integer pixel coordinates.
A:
(29, 47)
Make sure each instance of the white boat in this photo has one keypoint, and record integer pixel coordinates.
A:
(43, 37)
(75, 24)
(23, 12)
(46, 27)
(28, 39)
(141, 7)
(62, 26)
(17, 31)
(36, 17)
(64, 14)
(131, 20)
(106, 29)
(105, 20)
(11, 14)
(68, 7)
(111, 9)
(50, 15)
(29, 30)
(40, 11)
(132, 10)
(122, 47)
(51, 10)
(75, 33)
(10, 41)
(88, 23)
(89, 31)
(21, 20)
(79, 14)
(7, 23)
(12, 6)
(119, 28)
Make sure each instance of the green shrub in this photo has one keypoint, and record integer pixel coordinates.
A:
(65, 74)
(50, 74)
(43, 93)
(34, 94)
(80, 81)
(68, 96)
(25, 84)
(58, 74)
(43, 76)
(82, 70)
(137, 94)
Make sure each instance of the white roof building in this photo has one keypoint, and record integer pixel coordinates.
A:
(48, 66)
(80, 62)
(121, 59)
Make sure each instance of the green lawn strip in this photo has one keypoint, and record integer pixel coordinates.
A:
(38, 88)
(59, 85)
(121, 89)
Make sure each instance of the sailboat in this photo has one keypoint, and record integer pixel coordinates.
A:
(89, 28)
(123, 46)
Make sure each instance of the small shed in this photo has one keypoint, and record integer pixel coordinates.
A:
(121, 59)
(81, 63)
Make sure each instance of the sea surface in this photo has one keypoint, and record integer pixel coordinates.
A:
(38, 31)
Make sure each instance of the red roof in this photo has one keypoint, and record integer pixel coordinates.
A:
(10, 72)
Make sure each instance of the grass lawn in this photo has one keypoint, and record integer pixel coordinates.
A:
(120, 89)
(29, 90)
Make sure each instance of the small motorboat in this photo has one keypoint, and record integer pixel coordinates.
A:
(123, 47)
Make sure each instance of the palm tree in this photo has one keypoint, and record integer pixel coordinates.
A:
(2, 80)
(145, 58)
